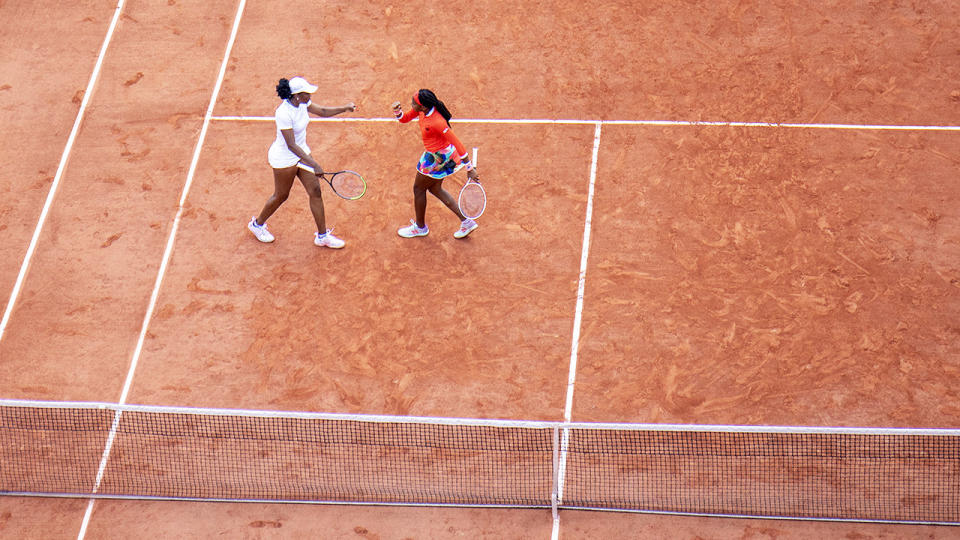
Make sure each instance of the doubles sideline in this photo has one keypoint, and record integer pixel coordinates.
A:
(168, 252)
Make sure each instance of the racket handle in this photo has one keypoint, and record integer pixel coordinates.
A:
(474, 156)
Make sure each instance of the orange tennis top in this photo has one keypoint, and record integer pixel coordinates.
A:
(435, 131)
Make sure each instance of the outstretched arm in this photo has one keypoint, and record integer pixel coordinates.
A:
(324, 111)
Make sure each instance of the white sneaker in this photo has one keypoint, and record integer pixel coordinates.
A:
(467, 226)
(260, 231)
(328, 240)
(412, 231)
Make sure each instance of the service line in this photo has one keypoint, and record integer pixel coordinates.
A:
(681, 123)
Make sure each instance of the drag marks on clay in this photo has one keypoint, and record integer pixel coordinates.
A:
(134, 80)
(177, 118)
(111, 180)
(260, 524)
(111, 240)
(43, 182)
(195, 286)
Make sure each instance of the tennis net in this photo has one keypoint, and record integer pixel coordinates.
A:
(130, 451)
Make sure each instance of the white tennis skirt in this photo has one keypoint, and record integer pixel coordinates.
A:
(280, 157)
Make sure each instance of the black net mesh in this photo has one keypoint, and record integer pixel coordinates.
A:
(889, 476)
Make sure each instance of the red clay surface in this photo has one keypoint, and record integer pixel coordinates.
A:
(784, 277)
(429, 326)
(101, 245)
(39, 72)
(757, 276)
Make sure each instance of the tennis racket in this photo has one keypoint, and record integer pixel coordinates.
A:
(473, 198)
(347, 184)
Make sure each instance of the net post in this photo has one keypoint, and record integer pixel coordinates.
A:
(556, 472)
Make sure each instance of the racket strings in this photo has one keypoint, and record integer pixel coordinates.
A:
(348, 184)
(473, 200)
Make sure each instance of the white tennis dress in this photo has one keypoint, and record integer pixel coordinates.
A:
(290, 117)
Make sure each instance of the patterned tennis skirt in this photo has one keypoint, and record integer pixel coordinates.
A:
(439, 164)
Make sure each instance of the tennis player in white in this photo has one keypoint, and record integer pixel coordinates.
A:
(290, 158)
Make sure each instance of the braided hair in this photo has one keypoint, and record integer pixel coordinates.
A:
(283, 89)
(429, 99)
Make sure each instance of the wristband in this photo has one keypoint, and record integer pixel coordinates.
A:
(398, 113)
(469, 165)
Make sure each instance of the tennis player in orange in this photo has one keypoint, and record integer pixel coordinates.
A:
(444, 155)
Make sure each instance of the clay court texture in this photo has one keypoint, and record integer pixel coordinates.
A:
(735, 212)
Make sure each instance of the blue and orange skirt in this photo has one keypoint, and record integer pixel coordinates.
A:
(439, 164)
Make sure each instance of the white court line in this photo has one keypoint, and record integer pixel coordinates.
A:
(577, 319)
(25, 265)
(168, 251)
(687, 123)
(56, 181)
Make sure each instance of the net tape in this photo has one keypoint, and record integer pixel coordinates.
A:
(108, 450)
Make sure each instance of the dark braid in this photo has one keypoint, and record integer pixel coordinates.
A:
(429, 99)
(283, 89)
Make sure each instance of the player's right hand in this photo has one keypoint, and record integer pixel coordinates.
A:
(396, 105)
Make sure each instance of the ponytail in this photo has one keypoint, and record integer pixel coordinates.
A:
(429, 99)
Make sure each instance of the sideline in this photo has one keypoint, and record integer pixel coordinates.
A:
(25, 265)
(575, 340)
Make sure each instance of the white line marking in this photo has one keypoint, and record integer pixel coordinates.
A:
(780, 125)
(86, 520)
(681, 123)
(32, 247)
(46, 207)
(168, 251)
(577, 320)
(581, 286)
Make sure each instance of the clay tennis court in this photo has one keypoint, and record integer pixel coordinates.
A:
(756, 274)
